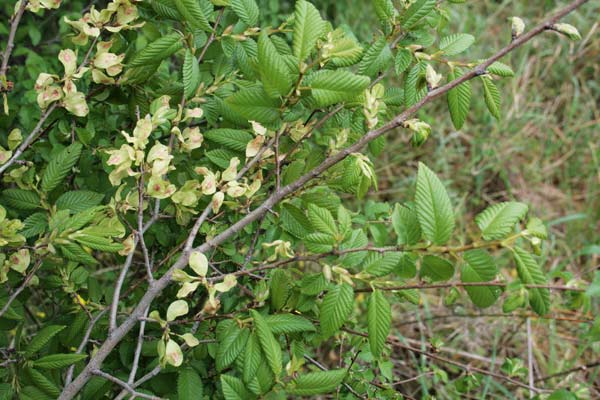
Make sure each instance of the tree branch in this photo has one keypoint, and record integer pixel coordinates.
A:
(213, 35)
(37, 131)
(124, 385)
(580, 368)
(530, 359)
(29, 139)
(18, 291)
(10, 45)
(465, 284)
(138, 350)
(84, 342)
(154, 291)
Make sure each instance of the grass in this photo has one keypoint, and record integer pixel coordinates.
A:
(544, 151)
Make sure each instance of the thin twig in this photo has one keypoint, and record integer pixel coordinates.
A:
(10, 45)
(465, 284)
(124, 385)
(497, 315)
(138, 351)
(37, 131)
(414, 378)
(468, 368)
(277, 160)
(581, 368)
(114, 306)
(84, 342)
(29, 139)
(18, 291)
(140, 232)
(386, 285)
(530, 359)
(213, 35)
(137, 383)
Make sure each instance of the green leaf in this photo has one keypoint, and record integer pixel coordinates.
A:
(379, 315)
(308, 27)
(407, 267)
(322, 220)
(234, 389)
(480, 267)
(165, 8)
(531, 274)
(42, 382)
(21, 199)
(434, 210)
(331, 87)
(491, 96)
(280, 289)
(42, 337)
(233, 139)
(288, 323)
(314, 383)
(60, 166)
(220, 157)
(498, 220)
(412, 83)
(535, 228)
(294, 221)
(6, 391)
(141, 74)
(252, 357)
(500, 69)
(402, 61)
(189, 384)
(313, 284)
(231, 346)
(406, 225)
(456, 43)
(35, 224)
(58, 361)
(357, 239)
(74, 252)
(246, 10)
(158, 50)
(317, 242)
(459, 99)
(415, 12)
(378, 265)
(385, 10)
(190, 73)
(377, 58)
(78, 200)
(436, 269)
(270, 346)
(97, 242)
(344, 52)
(193, 14)
(254, 104)
(274, 72)
(32, 393)
(336, 308)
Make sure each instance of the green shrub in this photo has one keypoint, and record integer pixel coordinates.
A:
(178, 221)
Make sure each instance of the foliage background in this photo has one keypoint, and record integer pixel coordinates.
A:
(544, 151)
